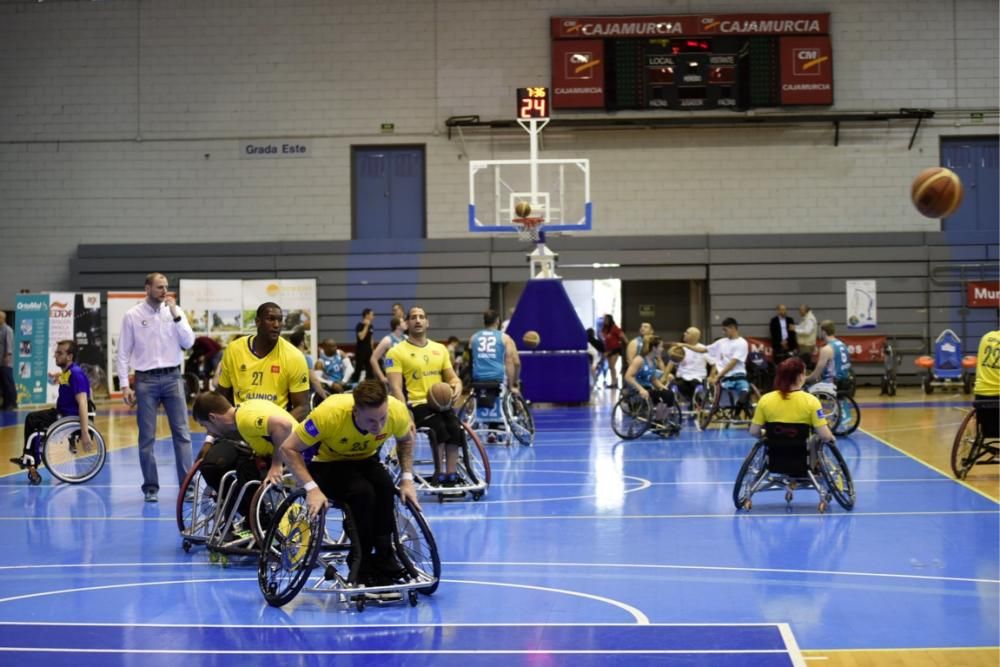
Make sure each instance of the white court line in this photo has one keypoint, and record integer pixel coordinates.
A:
(285, 652)
(543, 565)
(567, 517)
(793, 646)
(365, 626)
(639, 617)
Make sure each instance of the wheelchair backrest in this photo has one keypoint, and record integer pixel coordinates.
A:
(91, 408)
(787, 451)
(948, 351)
(988, 416)
(486, 393)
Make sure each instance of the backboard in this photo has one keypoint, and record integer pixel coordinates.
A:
(560, 194)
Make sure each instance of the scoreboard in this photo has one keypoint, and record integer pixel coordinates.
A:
(691, 62)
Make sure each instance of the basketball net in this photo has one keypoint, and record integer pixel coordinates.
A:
(527, 228)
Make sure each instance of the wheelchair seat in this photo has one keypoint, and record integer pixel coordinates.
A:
(988, 415)
(787, 448)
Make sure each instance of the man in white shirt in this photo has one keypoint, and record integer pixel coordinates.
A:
(805, 333)
(153, 338)
(693, 369)
(730, 353)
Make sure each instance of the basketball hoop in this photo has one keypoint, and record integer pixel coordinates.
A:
(527, 228)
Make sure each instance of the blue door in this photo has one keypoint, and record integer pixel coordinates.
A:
(975, 160)
(388, 192)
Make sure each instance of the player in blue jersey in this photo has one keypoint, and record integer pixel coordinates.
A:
(493, 354)
(335, 367)
(396, 336)
(834, 363)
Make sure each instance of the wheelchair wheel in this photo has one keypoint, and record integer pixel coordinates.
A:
(831, 408)
(264, 505)
(195, 504)
(631, 416)
(474, 460)
(65, 456)
(837, 475)
(415, 545)
(289, 551)
(709, 407)
(848, 415)
(754, 467)
(467, 413)
(192, 385)
(969, 446)
(519, 418)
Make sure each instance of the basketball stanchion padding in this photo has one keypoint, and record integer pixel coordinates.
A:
(936, 192)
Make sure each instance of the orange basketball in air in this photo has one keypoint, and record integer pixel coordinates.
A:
(522, 209)
(531, 339)
(936, 192)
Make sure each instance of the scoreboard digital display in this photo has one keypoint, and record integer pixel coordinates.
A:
(691, 62)
(532, 102)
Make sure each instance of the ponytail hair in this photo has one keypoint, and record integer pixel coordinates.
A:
(788, 373)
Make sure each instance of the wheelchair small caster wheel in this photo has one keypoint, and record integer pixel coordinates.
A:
(330, 573)
(412, 597)
(213, 557)
(223, 560)
(788, 496)
(359, 603)
(34, 477)
(186, 545)
(822, 506)
(476, 495)
(747, 505)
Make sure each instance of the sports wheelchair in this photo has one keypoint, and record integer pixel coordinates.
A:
(789, 457)
(728, 403)
(295, 545)
(690, 408)
(498, 415)
(978, 439)
(633, 415)
(59, 449)
(473, 466)
(210, 517)
(841, 410)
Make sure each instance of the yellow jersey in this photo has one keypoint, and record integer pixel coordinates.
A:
(799, 407)
(332, 425)
(421, 367)
(272, 378)
(988, 365)
(251, 422)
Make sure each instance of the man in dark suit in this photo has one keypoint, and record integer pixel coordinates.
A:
(783, 335)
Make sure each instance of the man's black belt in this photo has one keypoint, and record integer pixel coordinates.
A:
(160, 371)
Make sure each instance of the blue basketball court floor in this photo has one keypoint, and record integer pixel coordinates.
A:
(586, 551)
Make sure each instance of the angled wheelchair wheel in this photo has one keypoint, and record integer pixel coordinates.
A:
(831, 408)
(631, 416)
(416, 547)
(192, 385)
(837, 475)
(967, 446)
(519, 418)
(848, 415)
(474, 459)
(195, 503)
(263, 507)
(709, 407)
(467, 413)
(754, 467)
(288, 554)
(65, 456)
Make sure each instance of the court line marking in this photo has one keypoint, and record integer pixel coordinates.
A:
(640, 618)
(546, 517)
(798, 660)
(284, 626)
(725, 568)
(410, 651)
(635, 566)
(932, 467)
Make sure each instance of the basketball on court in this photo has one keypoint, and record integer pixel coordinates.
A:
(531, 339)
(523, 209)
(676, 354)
(439, 396)
(936, 192)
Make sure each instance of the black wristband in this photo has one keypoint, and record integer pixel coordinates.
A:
(178, 318)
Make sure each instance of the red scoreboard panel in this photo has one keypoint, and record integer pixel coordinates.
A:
(736, 61)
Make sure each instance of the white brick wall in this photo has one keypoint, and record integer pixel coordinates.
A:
(83, 81)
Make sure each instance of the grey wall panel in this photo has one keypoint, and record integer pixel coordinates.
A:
(958, 253)
(845, 271)
(783, 241)
(395, 276)
(808, 286)
(822, 255)
(823, 305)
(392, 292)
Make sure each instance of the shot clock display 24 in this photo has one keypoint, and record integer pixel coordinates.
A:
(532, 102)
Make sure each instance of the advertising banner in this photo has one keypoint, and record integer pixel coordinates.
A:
(861, 304)
(42, 320)
(982, 294)
(118, 305)
(227, 309)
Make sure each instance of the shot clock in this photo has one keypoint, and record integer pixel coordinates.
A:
(532, 102)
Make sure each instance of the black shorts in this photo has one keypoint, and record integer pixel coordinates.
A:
(444, 425)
